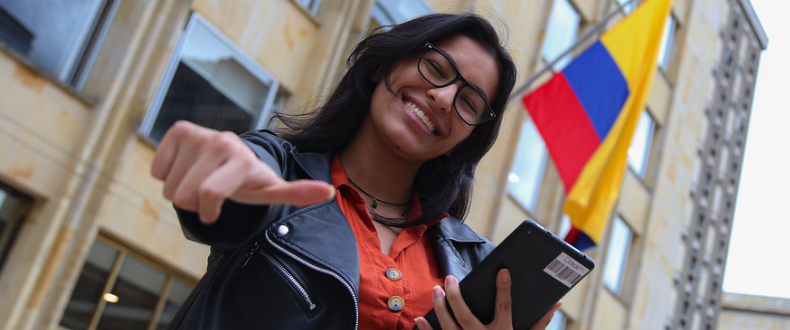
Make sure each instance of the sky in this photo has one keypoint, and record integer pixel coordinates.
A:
(756, 263)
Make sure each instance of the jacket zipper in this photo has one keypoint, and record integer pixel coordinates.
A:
(284, 272)
(322, 270)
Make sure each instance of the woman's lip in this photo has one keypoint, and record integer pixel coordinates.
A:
(426, 113)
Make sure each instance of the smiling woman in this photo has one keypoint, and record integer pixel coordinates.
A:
(341, 221)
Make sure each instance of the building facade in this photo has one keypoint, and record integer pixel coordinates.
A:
(87, 89)
(744, 312)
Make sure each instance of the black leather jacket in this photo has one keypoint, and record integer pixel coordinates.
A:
(285, 267)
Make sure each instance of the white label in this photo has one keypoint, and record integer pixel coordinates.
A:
(566, 270)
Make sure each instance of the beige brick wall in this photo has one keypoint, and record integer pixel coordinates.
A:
(746, 312)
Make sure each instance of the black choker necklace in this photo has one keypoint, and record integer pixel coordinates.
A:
(376, 200)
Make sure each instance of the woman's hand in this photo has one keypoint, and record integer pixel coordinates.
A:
(503, 318)
(202, 167)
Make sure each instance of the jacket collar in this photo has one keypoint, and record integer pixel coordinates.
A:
(317, 167)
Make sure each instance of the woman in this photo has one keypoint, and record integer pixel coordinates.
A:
(350, 219)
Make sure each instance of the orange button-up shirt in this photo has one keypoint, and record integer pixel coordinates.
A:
(411, 258)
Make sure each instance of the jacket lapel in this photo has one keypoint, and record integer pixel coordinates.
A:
(320, 233)
(458, 248)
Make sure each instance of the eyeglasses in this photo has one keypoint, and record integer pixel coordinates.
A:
(439, 70)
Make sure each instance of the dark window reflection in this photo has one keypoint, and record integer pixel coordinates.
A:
(89, 289)
(193, 98)
(138, 287)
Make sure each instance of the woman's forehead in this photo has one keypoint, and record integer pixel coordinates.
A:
(474, 61)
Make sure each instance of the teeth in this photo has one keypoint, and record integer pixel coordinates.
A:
(425, 121)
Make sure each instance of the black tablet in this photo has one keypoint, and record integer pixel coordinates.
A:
(543, 269)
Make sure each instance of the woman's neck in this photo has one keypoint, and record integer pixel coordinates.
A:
(378, 171)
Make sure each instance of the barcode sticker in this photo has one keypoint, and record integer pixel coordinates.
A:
(566, 270)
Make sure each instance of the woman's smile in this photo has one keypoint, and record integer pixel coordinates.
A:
(422, 116)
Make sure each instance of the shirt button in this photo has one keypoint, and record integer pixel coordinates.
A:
(395, 303)
(393, 274)
(282, 230)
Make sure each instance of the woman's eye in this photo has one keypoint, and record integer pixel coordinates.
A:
(436, 70)
(469, 106)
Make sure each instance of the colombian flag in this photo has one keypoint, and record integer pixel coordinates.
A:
(587, 115)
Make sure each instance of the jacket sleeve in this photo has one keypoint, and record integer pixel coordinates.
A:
(239, 223)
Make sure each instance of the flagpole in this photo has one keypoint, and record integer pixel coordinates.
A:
(596, 28)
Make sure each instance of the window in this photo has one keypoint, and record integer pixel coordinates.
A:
(561, 33)
(389, 12)
(310, 5)
(565, 226)
(62, 37)
(627, 5)
(13, 210)
(617, 255)
(558, 321)
(668, 39)
(639, 151)
(527, 171)
(212, 83)
(118, 290)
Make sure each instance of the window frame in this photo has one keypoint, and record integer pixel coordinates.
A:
(627, 6)
(382, 12)
(530, 205)
(124, 252)
(624, 256)
(667, 48)
(273, 100)
(563, 61)
(651, 136)
(19, 214)
(80, 56)
(311, 6)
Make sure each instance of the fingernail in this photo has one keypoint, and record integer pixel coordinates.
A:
(418, 322)
(504, 276)
(438, 293)
(332, 195)
(450, 281)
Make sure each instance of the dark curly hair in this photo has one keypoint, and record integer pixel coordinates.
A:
(444, 183)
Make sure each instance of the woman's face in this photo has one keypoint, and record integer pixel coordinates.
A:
(418, 121)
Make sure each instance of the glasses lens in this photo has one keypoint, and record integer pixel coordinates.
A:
(436, 68)
(471, 105)
(439, 71)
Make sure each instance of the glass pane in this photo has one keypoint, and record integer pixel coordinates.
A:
(214, 85)
(51, 33)
(628, 5)
(175, 297)
(666, 43)
(217, 63)
(90, 286)
(398, 11)
(561, 33)
(193, 98)
(616, 255)
(639, 151)
(557, 322)
(565, 226)
(11, 217)
(310, 5)
(527, 173)
(138, 288)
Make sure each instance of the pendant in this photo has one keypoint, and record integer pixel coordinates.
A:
(375, 203)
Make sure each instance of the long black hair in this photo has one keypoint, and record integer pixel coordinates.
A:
(444, 183)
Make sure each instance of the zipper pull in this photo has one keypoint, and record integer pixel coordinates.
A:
(249, 254)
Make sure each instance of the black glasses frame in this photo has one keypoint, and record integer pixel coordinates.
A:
(489, 111)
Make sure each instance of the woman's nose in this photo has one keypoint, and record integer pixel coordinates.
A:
(443, 96)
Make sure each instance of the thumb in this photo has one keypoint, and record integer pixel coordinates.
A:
(297, 193)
